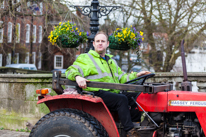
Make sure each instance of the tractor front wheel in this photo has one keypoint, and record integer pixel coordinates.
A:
(68, 123)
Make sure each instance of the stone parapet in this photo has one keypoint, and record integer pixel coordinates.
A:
(198, 79)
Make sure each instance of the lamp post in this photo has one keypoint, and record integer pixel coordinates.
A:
(94, 12)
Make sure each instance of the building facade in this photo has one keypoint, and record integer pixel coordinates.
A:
(21, 33)
(24, 34)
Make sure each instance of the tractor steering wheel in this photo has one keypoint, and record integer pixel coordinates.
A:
(140, 79)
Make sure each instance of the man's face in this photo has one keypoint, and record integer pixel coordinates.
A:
(101, 43)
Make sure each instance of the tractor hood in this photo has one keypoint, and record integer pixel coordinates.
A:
(186, 101)
(173, 101)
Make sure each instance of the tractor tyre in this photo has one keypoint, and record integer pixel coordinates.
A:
(68, 123)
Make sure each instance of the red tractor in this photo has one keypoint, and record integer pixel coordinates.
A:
(168, 113)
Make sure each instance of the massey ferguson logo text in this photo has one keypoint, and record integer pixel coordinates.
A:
(187, 103)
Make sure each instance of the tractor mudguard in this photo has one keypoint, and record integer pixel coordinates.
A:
(87, 103)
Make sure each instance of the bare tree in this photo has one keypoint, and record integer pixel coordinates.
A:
(178, 19)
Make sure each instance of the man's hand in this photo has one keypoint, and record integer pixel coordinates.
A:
(81, 82)
(143, 73)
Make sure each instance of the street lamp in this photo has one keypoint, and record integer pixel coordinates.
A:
(94, 12)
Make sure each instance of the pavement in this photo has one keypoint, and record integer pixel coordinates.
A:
(9, 133)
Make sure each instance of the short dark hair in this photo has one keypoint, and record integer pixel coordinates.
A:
(101, 32)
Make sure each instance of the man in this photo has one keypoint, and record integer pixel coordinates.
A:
(100, 67)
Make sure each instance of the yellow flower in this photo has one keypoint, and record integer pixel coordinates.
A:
(142, 39)
(132, 35)
(141, 33)
(131, 26)
(76, 28)
(124, 32)
(117, 29)
(60, 23)
(80, 33)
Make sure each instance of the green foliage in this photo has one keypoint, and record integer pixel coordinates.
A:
(125, 38)
(1, 128)
(67, 35)
(23, 130)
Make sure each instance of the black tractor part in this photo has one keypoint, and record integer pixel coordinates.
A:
(68, 123)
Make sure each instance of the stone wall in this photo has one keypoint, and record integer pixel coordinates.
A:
(18, 98)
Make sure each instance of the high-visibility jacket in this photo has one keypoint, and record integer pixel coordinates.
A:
(94, 68)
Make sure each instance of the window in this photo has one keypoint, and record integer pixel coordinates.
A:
(27, 58)
(39, 60)
(8, 59)
(58, 61)
(34, 8)
(33, 57)
(9, 32)
(0, 60)
(28, 3)
(2, 4)
(1, 32)
(40, 34)
(41, 8)
(27, 33)
(34, 33)
(18, 33)
(17, 58)
(19, 8)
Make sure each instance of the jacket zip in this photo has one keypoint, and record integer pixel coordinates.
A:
(109, 67)
(110, 70)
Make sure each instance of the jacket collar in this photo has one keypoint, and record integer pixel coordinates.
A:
(94, 53)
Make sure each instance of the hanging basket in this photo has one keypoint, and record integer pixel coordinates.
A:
(62, 42)
(114, 44)
(67, 35)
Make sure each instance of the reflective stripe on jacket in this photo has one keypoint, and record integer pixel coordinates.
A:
(94, 68)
